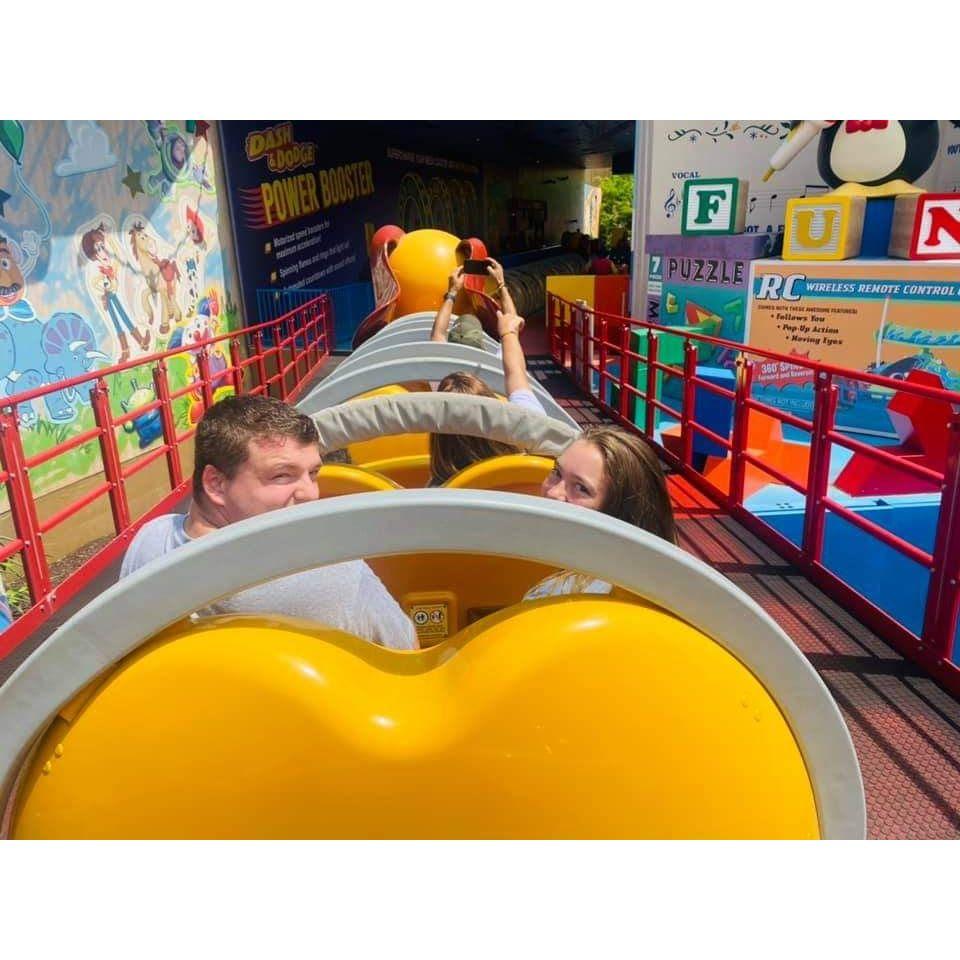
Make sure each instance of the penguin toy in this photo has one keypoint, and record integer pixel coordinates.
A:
(877, 158)
(867, 158)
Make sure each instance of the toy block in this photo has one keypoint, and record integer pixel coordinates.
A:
(713, 411)
(823, 228)
(926, 226)
(714, 206)
(921, 426)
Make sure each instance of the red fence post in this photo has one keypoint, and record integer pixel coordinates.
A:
(624, 371)
(295, 353)
(313, 335)
(741, 425)
(818, 474)
(943, 594)
(603, 362)
(329, 327)
(550, 325)
(281, 374)
(581, 343)
(261, 363)
(235, 361)
(162, 389)
(110, 453)
(689, 403)
(203, 368)
(23, 508)
(652, 374)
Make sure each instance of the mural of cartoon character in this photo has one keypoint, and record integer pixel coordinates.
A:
(194, 245)
(96, 246)
(161, 276)
(11, 284)
(175, 161)
(148, 426)
(33, 354)
(203, 326)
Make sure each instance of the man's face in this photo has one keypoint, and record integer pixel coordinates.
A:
(277, 473)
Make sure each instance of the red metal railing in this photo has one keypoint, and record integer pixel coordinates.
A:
(586, 343)
(299, 340)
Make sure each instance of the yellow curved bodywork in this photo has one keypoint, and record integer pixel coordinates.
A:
(410, 471)
(340, 479)
(573, 717)
(512, 473)
(389, 448)
(422, 261)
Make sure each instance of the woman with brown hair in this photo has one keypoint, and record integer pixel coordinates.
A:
(451, 453)
(617, 473)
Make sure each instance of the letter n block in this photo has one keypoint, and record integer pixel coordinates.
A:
(823, 228)
(714, 206)
(926, 226)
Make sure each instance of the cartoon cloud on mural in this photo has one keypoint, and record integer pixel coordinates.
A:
(88, 150)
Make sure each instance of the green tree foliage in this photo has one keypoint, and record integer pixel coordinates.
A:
(616, 207)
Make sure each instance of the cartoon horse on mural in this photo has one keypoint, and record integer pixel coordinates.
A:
(161, 276)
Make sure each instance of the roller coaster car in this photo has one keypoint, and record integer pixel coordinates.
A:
(674, 707)
(393, 426)
(383, 368)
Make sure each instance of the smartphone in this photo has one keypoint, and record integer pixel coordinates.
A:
(476, 268)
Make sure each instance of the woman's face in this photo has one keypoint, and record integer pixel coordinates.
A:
(578, 477)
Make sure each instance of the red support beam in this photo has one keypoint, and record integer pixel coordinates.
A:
(651, 360)
(23, 509)
(943, 594)
(624, 371)
(161, 388)
(110, 453)
(688, 407)
(814, 517)
(741, 429)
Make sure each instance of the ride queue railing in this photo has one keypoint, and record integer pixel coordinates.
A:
(586, 342)
(350, 303)
(294, 343)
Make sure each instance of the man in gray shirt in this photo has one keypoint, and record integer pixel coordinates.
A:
(254, 454)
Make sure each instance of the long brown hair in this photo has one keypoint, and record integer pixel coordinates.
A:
(450, 453)
(636, 486)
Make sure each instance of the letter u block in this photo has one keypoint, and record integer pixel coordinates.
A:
(926, 226)
(714, 206)
(823, 228)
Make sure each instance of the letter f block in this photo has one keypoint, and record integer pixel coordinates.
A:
(715, 206)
